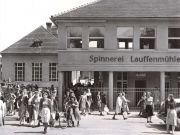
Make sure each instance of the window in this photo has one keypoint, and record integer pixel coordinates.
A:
(36, 71)
(174, 38)
(122, 78)
(53, 75)
(125, 37)
(36, 43)
(147, 38)
(74, 37)
(19, 71)
(96, 37)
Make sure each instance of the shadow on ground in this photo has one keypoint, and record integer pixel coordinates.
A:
(28, 132)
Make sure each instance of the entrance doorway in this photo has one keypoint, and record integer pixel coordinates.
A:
(140, 86)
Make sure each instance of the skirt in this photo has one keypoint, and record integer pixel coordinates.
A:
(45, 115)
(149, 110)
(171, 118)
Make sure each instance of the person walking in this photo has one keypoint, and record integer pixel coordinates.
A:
(125, 101)
(30, 107)
(74, 110)
(149, 107)
(142, 104)
(99, 102)
(66, 100)
(35, 103)
(119, 110)
(83, 102)
(12, 99)
(23, 102)
(44, 107)
(54, 108)
(104, 104)
(171, 118)
(89, 100)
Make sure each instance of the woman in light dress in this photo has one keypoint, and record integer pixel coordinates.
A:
(118, 110)
(36, 102)
(171, 118)
(99, 102)
(83, 102)
(125, 106)
(89, 100)
(44, 107)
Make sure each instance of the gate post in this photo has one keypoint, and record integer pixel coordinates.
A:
(162, 86)
(110, 90)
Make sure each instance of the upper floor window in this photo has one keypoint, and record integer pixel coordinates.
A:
(96, 37)
(74, 37)
(174, 38)
(19, 71)
(147, 38)
(125, 37)
(53, 74)
(36, 71)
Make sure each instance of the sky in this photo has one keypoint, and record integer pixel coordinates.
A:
(20, 17)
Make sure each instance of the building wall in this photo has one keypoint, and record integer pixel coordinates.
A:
(80, 59)
(8, 68)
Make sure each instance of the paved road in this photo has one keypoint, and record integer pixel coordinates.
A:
(95, 125)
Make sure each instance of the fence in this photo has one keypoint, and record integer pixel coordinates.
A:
(135, 94)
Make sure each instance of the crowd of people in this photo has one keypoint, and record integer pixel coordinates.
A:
(147, 108)
(40, 105)
(34, 105)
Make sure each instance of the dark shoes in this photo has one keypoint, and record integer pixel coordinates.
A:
(149, 121)
(78, 124)
(45, 131)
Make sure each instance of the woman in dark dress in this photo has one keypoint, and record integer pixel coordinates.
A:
(23, 102)
(142, 104)
(74, 110)
(44, 107)
(149, 107)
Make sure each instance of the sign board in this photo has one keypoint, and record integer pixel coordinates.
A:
(118, 61)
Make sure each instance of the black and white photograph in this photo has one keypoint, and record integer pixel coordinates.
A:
(90, 67)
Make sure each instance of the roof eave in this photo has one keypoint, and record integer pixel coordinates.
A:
(104, 19)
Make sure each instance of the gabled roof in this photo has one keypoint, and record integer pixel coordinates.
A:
(24, 45)
(125, 9)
